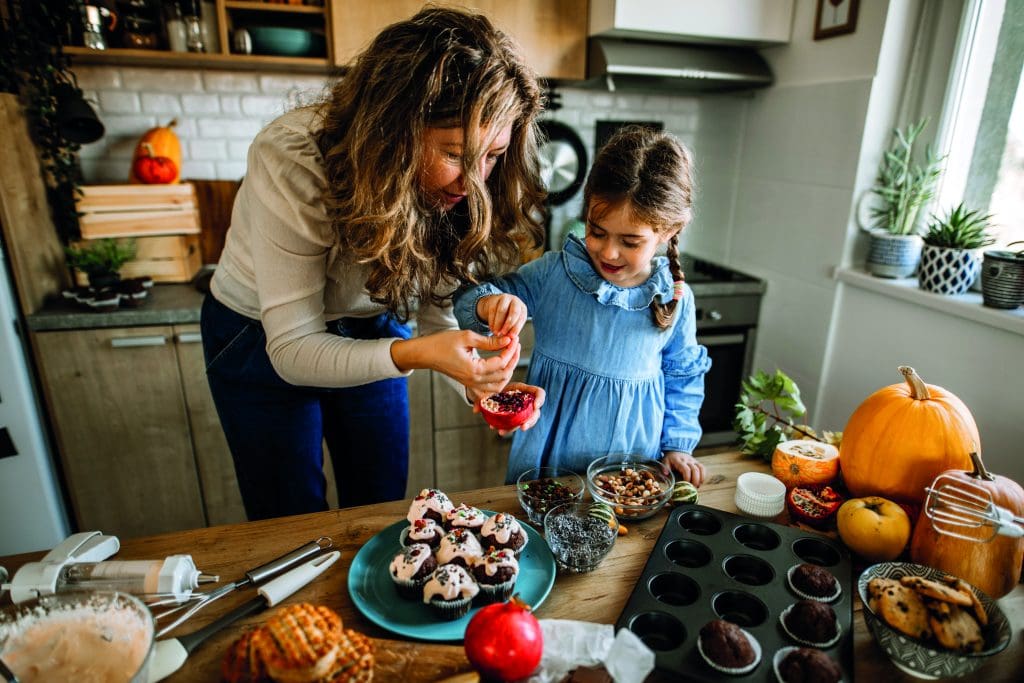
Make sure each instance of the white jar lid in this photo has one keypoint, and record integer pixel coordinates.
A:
(759, 494)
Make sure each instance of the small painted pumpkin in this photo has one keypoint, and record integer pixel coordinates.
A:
(902, 436)
(160, 141)
(803, 462)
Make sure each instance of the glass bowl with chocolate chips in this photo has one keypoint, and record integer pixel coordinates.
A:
(542, 488)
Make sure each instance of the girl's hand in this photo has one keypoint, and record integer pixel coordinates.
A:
(685, 466)
(538, 401)
(451, 352)
(505, 313)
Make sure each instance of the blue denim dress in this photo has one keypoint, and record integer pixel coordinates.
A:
(615, 382)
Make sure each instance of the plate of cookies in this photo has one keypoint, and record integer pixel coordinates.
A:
(931, 624)
(426, 575)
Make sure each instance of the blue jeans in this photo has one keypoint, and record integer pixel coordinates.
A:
(275, 429)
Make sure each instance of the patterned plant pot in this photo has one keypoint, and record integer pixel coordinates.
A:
(947, 271)
(1002, 279)
(893, 255)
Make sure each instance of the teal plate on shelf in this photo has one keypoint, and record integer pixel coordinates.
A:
(369, 584)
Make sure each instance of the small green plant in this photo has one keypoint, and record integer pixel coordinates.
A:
(100, 257)
(960, 229)
(904, 186)
(767, 415)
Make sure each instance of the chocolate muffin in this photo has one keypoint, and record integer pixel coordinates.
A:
(496, 573)
(503, 531)
(429, 504)
(808, 665)
(411, 568)
(811, 622)
(422, 531)
(814, 581)
(726, 646)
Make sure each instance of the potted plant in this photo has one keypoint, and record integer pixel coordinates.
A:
(100, 260)
(949, 260)
(1002, 277)
(903, 186)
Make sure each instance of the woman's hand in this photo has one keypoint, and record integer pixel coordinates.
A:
(685, 466)
(451, 352)
(538, 401)
(505, 313)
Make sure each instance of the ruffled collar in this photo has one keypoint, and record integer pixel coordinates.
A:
(581, 271)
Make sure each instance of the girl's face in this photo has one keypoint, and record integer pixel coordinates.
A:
(441, 177)
(620, 248)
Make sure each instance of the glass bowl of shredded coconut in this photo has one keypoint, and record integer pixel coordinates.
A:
(86, 637)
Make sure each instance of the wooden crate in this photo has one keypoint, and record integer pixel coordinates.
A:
(137, 210)
(165, 258)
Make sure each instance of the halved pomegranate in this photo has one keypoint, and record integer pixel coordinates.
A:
(507, 410)
(814, 505)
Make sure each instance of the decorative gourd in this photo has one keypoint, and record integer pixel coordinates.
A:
(995, 566)
(902, 436)
(804, 462)
(162, 143)
(154, 170)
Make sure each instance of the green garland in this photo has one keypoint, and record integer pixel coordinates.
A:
(33, 66)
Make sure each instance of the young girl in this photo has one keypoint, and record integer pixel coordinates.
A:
(616, 350)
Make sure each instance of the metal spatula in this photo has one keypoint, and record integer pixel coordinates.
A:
(964, 510)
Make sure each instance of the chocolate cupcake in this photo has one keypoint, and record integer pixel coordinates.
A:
(811, 623)
(728, 648)
(450, 591)
(422, 531)
(465, 517)
(503, 531)
(429, 504)
(411, 568)
(811, 582)
(459, 546)
(496, 573)
(806, 665)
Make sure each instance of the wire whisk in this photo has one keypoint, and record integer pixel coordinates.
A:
(964, 510)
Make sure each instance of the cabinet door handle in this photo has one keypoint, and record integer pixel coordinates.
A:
(126, 342)
(189, 337)
(720, 339)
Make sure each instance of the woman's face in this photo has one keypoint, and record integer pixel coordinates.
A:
(441, 177)
(620, 248)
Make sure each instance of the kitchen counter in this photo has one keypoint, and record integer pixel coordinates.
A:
(596, 597)
(167, 304)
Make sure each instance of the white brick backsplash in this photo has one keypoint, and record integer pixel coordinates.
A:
(201, 104)
(229, 128)
(276, 83)
(238, 149)
(208, 150)
(167, 80)
(186, 127)
(97, 77)
(231, 104)
(117, 102)
(117, 125)
(96, 171)
(263, 106)
(229, 81)
(205, 170)
(230, 170)
(160, 103)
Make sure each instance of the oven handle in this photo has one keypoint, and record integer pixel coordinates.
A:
(721, 339)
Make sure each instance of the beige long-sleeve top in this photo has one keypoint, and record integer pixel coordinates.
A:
(282, 264)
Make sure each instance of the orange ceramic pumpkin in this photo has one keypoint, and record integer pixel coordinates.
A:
(902, 436)
(158, 142)
(991, 564)
(805, 462)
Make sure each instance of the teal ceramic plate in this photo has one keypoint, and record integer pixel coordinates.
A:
(369, 584)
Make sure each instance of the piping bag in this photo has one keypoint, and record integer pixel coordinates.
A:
(170, 654)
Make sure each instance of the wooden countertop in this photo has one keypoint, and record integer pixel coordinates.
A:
(231, 550)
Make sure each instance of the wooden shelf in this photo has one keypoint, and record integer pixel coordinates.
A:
(268, 7)
(192, 60)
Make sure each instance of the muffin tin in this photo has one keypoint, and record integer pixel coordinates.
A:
(709, 564)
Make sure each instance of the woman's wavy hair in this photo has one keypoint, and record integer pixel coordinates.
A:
(441, 68)
(653, 172)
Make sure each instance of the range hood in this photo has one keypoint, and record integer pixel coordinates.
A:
(641, 65)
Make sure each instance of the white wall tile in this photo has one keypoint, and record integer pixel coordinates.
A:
(117, 102)
(229, 128)
(161, 103)
(229, 81)
(195, 103)
(117, 125)
(199, 170)
(97, 77)
(208, 150)
(231, 104)
(166, 80)
(263, 106)
(230, 170)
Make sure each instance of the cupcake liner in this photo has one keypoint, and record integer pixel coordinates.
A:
(450, 610)
(498, 592)
(404, 536)
(803, 641)
(779, 657)
(808, 596)
(734, 671)
(410, 589)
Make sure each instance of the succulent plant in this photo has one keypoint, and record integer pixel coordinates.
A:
(100, 257)
(960, 229)
(904, 186)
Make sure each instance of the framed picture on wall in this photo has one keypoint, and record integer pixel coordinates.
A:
(834, 18)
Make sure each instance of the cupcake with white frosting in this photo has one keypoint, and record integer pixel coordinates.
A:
(430, 504)
(422, 531)
(459, 546)
(450, 591)
(496, 573)
(503, 531)
(465, 516)
(411, 568)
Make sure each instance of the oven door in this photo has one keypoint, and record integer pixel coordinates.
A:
(731, 354)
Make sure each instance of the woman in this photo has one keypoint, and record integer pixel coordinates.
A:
(417, 173)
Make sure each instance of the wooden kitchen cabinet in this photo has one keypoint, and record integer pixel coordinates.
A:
(553, 35)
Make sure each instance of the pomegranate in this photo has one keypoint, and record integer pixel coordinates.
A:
(504, 641)
(507, 410)
(813, 505)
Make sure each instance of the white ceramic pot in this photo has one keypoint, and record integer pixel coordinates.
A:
(893, 255)
(947, 271)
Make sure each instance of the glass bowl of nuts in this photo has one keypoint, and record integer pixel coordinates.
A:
(633, 486)
(542, 488)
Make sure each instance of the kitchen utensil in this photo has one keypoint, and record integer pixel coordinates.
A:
(953, 504)
(171, 653)
(35, 579)
(253, 576)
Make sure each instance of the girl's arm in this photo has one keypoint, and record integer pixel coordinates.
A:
(526, 284)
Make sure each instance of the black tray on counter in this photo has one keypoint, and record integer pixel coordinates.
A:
(709, 564)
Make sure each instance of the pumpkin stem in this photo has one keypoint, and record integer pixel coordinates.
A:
(979, 469)
(172, 123)
(918, 389)
(147, 148)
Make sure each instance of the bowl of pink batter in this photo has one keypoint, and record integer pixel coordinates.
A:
(94, 637)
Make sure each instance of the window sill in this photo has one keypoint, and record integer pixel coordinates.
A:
(966, 306)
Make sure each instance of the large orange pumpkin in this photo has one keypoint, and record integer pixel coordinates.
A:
(993, 565)
(158, 142)
(902, 436)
